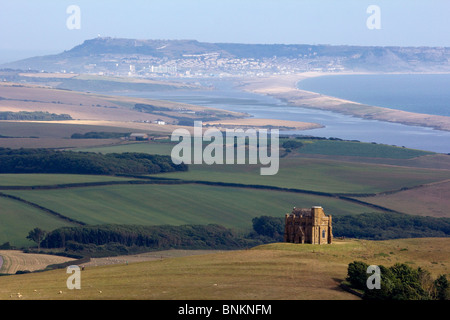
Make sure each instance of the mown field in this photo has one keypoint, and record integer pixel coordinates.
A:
(276, 271)
(15, 260)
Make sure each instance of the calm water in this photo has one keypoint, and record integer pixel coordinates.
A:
(421, 93)
(336, 125)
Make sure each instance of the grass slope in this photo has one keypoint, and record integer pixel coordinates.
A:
(276, 271)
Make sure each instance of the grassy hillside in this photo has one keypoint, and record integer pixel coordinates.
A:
(276, 271)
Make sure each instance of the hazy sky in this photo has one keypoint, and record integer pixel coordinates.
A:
(35, 27)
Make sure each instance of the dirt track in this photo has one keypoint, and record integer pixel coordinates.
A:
(148, 256)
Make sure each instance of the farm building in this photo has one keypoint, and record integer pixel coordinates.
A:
(138, 136)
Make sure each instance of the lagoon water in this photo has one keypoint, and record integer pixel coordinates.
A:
(336, 125)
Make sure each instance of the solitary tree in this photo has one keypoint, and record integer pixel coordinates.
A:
(36, 235)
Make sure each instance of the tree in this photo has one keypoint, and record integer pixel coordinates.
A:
(442, 288)
(399, 282)
(357, 274)
(272, 227)
(37, 235)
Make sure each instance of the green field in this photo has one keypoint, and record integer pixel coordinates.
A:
(322, 147)
(322, 175)
(318, 175)
(142, 147)
(358, 149)
(17, 219)
(178, 204)
(53, 179)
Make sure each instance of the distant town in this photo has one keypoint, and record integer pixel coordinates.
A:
(208, 65)
(190, 58)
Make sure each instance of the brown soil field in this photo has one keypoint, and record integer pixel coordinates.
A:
(135, 80)
(48, 75)
(284, 88)
(15, 260)
(428, 200)
(54, 129)
(124, 125)
(86, 106)
(55, 75)
(55, 143)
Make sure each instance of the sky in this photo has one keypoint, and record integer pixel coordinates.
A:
(37, 27)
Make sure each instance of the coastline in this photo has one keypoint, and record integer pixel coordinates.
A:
(285, 89)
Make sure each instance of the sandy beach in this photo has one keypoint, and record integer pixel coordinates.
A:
(284, 87)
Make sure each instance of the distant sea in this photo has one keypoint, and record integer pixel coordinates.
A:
(421, 93)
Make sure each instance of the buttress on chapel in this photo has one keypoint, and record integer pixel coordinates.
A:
(308, 226)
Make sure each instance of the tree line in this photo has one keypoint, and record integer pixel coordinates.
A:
(370, 226)
(69, 162)
(34, 115)
(113, 239)
(398, 282)
(99, 135)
